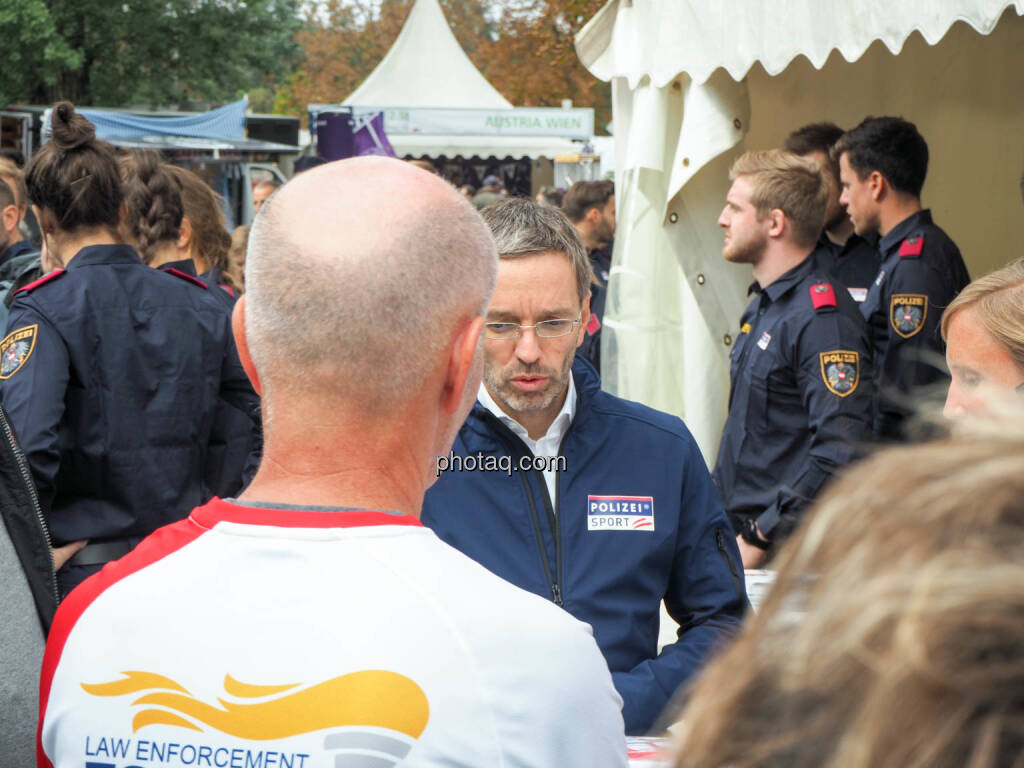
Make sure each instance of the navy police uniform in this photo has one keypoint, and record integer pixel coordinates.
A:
(601, 261)
(112, 373)
(800, 402)
(920, 274)
(854, 263)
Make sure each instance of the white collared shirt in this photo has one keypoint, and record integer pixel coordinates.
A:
(548, 444)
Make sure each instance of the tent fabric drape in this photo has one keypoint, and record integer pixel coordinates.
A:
(661, 38)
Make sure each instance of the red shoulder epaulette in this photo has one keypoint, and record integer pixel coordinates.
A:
(44, 279)
(229, 290)
(185, 276)
(822, 296)
(911, 247)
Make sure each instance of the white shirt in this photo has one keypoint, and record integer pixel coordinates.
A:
(547, 445)
(327, 635)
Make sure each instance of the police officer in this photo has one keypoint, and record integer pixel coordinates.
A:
(882, 167)
(800, 401)
(111, 371)
(851, 259)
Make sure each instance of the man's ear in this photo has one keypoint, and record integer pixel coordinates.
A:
(877, 185)
(185, 233)
(238, 329)
(581, 332)
(461, 365)
(776, 222)
(10, 218)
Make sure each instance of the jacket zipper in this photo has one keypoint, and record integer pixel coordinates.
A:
(554, 584)
(30, 486)
(720, 540)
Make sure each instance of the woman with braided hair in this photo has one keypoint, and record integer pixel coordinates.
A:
(112, 372)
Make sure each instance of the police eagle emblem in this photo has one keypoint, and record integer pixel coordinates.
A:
(15, 349)
(840, 370)
(907, 313)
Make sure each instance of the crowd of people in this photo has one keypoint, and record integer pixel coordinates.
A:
(371, 503)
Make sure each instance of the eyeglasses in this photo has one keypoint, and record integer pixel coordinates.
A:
(546, 329)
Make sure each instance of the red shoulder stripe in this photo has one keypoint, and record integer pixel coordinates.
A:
(822, 295)
(154, 547)
(912, 246)
(44, 279)
(185, 276)
(229, 290)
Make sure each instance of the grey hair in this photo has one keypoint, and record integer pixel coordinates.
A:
(365, 311)
(521, 227)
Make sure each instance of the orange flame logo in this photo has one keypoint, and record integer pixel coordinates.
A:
(376, 698)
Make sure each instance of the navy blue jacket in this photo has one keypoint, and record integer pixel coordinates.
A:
(921, 273)
(800, 401)
(112, 373)
(614, 580)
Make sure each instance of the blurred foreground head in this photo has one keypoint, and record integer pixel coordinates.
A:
(359, 274)
(894, 635)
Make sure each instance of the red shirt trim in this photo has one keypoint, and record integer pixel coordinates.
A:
(161, 543)
(217, 511)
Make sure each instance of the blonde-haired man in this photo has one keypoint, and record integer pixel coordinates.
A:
(801, 394)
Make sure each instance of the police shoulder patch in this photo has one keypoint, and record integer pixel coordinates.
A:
(911, 247)
(840, 370)
(907, 313)
(823, 296)
(15, 350)
(41, 281)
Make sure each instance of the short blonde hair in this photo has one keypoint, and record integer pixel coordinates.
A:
(894, 635)
(10, 172)
(998, 297)
(792, 184)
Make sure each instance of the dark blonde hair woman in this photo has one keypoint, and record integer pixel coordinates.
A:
(894, 636)
(984, 332)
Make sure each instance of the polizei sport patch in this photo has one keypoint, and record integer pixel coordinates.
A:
(907, 313)
(620, 513)
(840, 369)
(16, 349)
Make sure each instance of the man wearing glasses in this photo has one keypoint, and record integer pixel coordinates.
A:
(601, 505)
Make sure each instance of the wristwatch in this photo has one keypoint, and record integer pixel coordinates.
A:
(748, 532)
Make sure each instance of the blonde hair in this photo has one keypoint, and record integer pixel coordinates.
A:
(792, 184)
(998, 297)
(894, 635)
(15, 177)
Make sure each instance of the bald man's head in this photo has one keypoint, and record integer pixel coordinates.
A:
(357, 274)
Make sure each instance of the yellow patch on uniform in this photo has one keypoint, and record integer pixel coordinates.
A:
(907, 313)
(745, 328)
(16, 349)
(840, 369)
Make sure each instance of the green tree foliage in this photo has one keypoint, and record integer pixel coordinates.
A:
(144, 52)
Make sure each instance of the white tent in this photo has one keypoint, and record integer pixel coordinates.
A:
(426, 70)
(696, 82)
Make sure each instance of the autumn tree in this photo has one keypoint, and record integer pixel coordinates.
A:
(523, 47)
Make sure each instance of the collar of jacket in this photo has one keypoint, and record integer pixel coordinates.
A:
(904, 229)
(482, 424)
(788, 280)
(104, 254)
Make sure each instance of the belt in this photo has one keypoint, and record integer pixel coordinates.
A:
(100, 552)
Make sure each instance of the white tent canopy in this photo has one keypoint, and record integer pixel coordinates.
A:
(427, 79)
(696, 82)
(426, 67)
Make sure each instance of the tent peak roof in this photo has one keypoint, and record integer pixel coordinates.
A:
(426, 67)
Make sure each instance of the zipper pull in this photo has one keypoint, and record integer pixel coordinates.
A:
(556, 595)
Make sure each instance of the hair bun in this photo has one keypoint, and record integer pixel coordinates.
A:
(69, 129)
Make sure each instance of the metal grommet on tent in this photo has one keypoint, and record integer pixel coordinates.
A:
(700, 279)
(686, 162)
(737, 124)
(676, 86)
(673, 218)
(727, 340)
